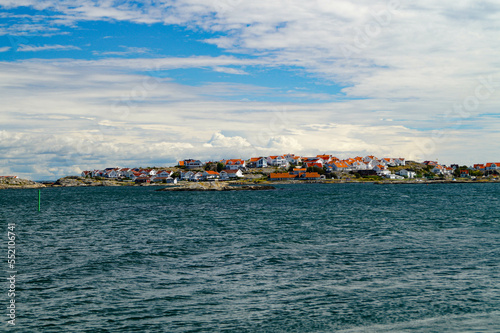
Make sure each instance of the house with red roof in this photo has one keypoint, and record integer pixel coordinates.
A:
(191, 164)
(400, 161)
(257, 162)
(231, 174)
(86, 174)
(492, 166)
(277, 161)
(310, 176)
(164, 173)
(338, 166)
(369, 158)
(314, 161)
(292, 159)
(480, 167)
(234, 164)
(210, 175)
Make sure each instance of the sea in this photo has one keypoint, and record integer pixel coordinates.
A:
(301, 258)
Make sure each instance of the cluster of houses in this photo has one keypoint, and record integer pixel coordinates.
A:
(493, 166)
(285, 161)
(486, 168)
(192, 170)
(137, 175)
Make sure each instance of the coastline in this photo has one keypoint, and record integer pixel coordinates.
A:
(218, 185)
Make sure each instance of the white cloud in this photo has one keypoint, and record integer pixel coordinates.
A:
(5, 48)
(32, 48)
(127, 50)
(229, 70)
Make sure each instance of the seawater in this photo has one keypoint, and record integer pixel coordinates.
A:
(302, 258)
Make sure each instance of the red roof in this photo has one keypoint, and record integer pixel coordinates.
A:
(312, 175)
(281, 175)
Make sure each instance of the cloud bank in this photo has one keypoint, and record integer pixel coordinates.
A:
(416, 80)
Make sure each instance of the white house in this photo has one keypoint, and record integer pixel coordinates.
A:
(393, 176)
(164, 173)
(193, 164)
(379, 168)
(97, 173)
(169, 180)
(210, 175)
(407, 173)
(149, 172)
(111, 174)
(187, 175)
(339, 166)
(278, 161)
(258, 162)
(388, 161)
(384, 173)
(492, 166)
(292, 159)
(196, 177)
(136, 175)
(400, 161)
(125, 172)
(369, 158)
(234, 164)
(231, 174)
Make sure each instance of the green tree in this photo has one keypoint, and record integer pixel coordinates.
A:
(314, 168)
(220, 166)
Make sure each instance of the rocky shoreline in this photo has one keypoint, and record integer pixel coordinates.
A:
(17, 183)
(215, 186)
(75, 181)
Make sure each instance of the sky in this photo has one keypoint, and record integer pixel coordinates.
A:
(93, 84)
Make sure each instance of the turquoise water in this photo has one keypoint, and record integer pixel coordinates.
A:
(303, 258)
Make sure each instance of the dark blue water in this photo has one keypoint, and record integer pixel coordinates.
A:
(304, 258)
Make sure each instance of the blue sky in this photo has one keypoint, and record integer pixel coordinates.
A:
(90, 84)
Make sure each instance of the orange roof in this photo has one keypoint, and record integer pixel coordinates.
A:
(181, 163)
(340, 164)
(312, 175)
(212, 172)
(281, 175)
(234, 161)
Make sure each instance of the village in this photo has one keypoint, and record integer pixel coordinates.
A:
(290, 167)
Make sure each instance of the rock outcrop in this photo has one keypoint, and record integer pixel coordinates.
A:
(18, 183)
(216, 186)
